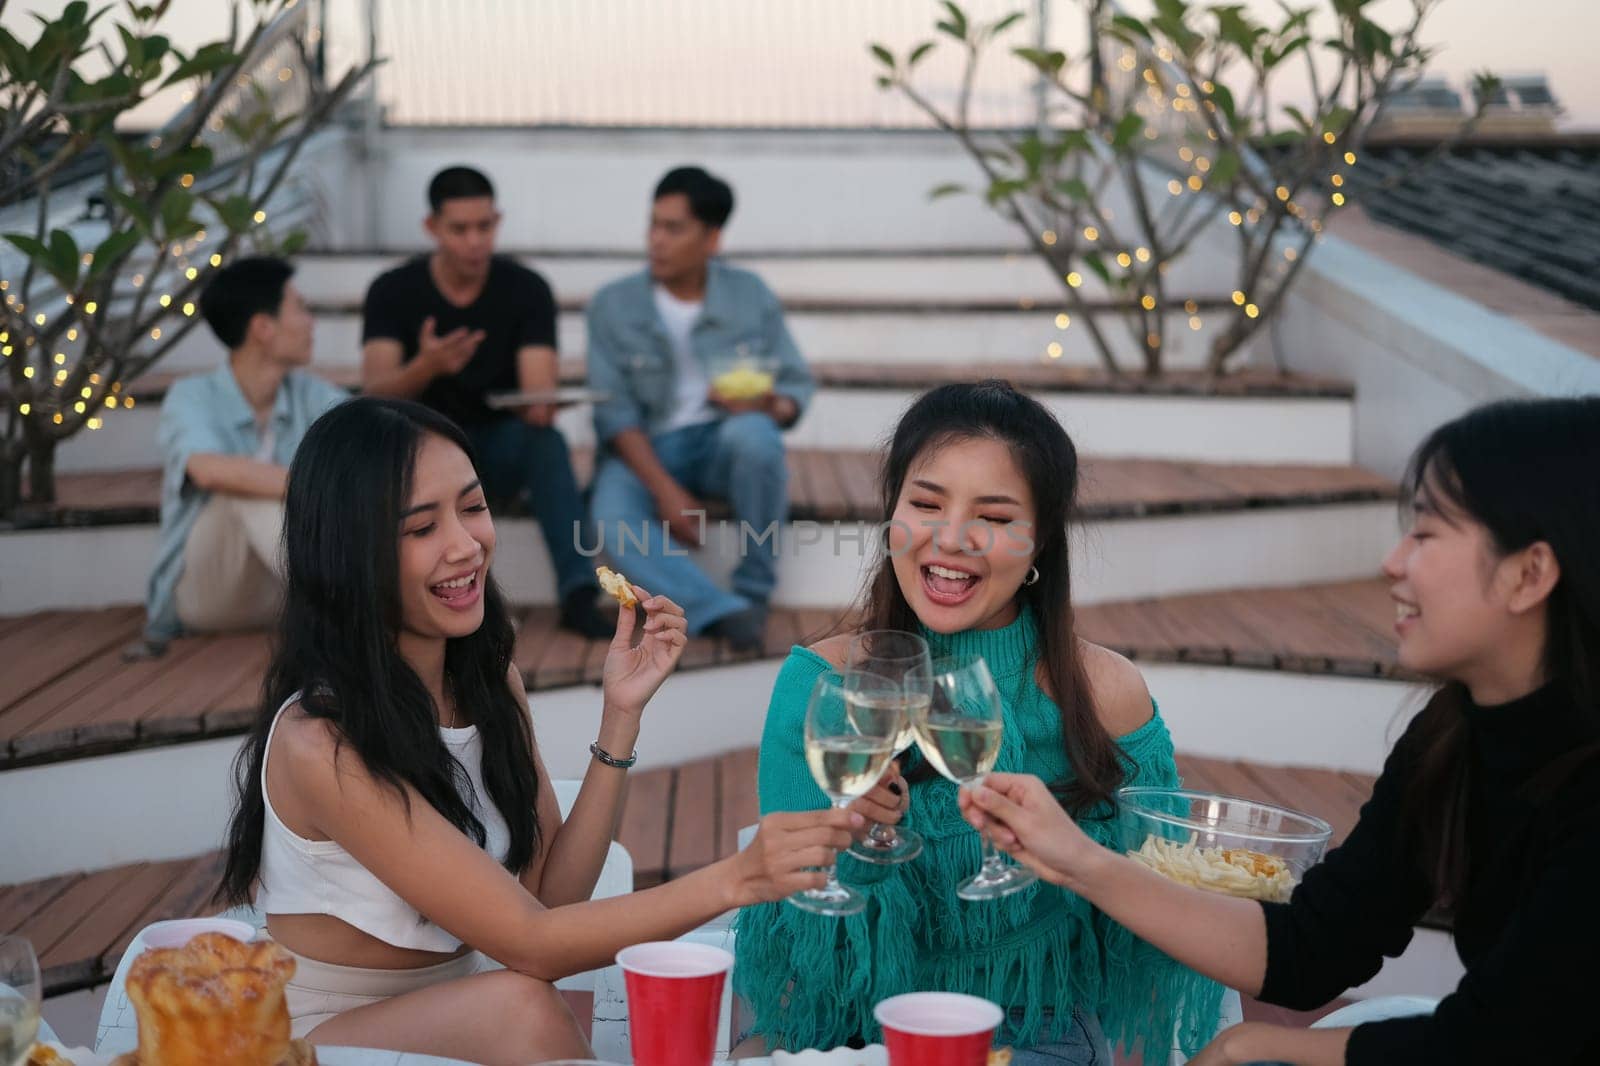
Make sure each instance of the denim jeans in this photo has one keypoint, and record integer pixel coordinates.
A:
(516, 459)
(739, 459)
(1082, 1044)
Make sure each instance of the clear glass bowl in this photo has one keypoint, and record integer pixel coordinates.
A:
(1225, 844)
(743, 375)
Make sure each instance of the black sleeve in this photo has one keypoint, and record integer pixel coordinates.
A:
(1357, 906)
(1530, 999)
(537, 322)
(385, 315)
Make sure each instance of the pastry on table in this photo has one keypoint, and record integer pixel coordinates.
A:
(616, 585)
(214, 1000)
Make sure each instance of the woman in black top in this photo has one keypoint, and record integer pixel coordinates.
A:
(1488, 806)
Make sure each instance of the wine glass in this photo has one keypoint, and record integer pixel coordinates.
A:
(851, 728)
(19, 999)
(960, 734)
(901, 657)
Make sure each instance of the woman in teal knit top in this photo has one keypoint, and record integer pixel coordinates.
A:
(978, 488)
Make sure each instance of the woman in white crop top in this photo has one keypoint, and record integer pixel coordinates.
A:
(394, 820)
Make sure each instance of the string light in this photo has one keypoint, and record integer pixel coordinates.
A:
(1147, 302)
(61, 358)
(127, 402)
(186, 181)
(6, 351)
(1090, 233)
(57, 419)
(188, 309)
(138, 280)
(72, 334)
(1329, 137)
(24, 408)
(61, 375)
(1186, 154)
(27, 372)
(1282, 193)
(1202, 164)
(1337, 179)
(1195, 182)
(1290, 254)
(39, 318)
(1183, 90)
(1190, 306)
(90, 308)
(1349, 159)
(285, 74)
(1048, 236)
(1152, 340)
(260, 217)
(1142, 254)
(1174, 187)
(94, 379)
(166, 299)
(94, 423)
(86, 392)
(216, 259)
(1252, 216)
(1251, 310)
(155, 334)
(1194, 322)
(1074, 279)
(191, 273)
(1053, 350)
(1338, 199)
(111, 401)
(1238, 298)
(79, 408)
(1063, 320)
(1124, 259)
(1235, 217)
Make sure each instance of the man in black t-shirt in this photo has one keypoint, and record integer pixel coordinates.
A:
(448, 329)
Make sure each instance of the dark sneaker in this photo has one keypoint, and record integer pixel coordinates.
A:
(744, 630)
(581, 613)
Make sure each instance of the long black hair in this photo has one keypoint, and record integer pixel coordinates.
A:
(337, 640)
(1525, 471)
(994, 410)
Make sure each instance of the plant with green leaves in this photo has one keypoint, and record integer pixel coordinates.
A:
(1164, 126)
(116, 229)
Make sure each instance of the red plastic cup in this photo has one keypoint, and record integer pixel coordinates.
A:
(674, 1001)
(938, 1029)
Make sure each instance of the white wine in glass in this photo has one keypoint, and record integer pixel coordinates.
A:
(849, 739)
(19, 999)
(901, 657)
(960, 734)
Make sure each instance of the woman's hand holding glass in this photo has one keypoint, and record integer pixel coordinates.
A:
(787, 853)
(1021, 817)
(634, 671)
(883, 806)
(851, 728)
(902, 658)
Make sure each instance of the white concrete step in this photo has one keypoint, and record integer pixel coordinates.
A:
(1221, 429)
(823, 565)
(878, 333)
(955, 276)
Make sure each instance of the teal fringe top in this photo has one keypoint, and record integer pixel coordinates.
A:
(812, 981)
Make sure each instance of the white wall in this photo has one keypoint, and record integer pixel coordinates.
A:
(1418, 354)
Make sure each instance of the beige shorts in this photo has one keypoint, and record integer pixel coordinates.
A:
(321, 990)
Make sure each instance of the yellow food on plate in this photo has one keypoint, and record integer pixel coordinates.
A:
(1232, 871)
(743, 383)
(214, 1000)
(616, 585)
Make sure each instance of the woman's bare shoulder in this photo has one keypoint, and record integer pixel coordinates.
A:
(1121, 697)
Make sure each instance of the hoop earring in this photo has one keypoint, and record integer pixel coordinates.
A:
(1033, 576)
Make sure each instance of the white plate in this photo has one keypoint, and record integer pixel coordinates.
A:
(560, 397)
(871, 1055)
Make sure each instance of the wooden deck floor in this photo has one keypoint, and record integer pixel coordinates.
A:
(675, 820)
(70, 694)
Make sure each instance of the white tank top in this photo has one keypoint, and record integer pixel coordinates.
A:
(300, 876)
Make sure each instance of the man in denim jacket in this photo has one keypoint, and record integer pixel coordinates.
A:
(658, 340)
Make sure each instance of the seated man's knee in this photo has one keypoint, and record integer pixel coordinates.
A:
(752, 438)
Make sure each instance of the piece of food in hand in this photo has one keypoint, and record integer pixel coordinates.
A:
(743, 383)
(1000, 1056)
(214, 1000)
(616, 585)
(40, 1055)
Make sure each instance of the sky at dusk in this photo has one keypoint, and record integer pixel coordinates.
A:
(799, 61)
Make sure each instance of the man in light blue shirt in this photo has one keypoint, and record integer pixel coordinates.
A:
(227, 439)
(670, 435)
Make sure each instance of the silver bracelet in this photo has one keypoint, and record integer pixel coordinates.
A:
(611, 760)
